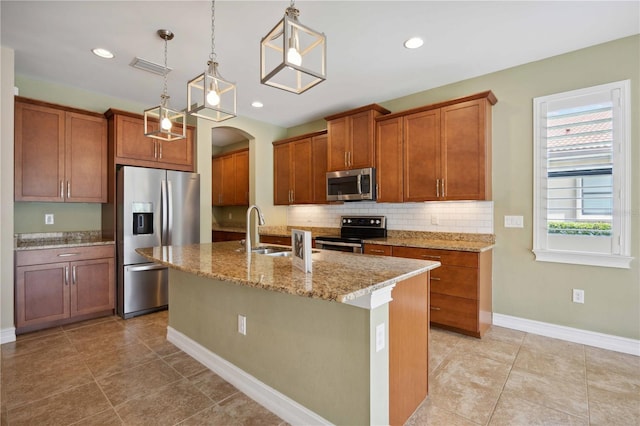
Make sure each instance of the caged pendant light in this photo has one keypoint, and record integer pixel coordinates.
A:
(293, 56)
(161, 122)
(210, 96)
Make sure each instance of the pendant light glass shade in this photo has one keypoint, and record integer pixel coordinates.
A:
(162, 122)
(210, 96)
(293, 56)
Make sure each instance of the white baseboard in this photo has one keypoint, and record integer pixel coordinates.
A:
(575, 335)
(7, 335)
(274, 401)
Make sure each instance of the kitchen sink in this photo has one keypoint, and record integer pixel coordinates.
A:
(271, 250)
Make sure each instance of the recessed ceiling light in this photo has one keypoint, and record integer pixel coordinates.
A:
(413, 43)
(103, 53)
(257, 104)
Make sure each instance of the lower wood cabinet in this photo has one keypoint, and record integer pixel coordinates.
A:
(461, 294)
(275, 239)
(58, 286)
(217, 236)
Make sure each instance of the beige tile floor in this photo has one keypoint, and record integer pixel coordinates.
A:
(112, 372)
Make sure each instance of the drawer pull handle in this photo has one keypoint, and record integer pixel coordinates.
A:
(376, 251)
(435, 279)
(74, 279)
(67, 254)
(430, 256)
(434, 308)
(66, 275)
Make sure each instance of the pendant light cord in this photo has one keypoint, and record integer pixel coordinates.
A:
(164, 90)
(212, 55)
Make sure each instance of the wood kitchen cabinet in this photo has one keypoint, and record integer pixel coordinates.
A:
(436, 153)
(299, 166)
(60, 153)
(59, 286)
(461, 297)
(230, 178)
(351, 138)
(131, 147)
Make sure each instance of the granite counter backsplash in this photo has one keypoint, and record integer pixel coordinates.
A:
(46, 240)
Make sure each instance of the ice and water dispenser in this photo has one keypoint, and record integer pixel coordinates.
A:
(142, 218)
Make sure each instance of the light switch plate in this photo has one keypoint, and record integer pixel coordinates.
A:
(514, 222)
(48, 219)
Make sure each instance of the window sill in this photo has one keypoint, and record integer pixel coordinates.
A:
(589, 259)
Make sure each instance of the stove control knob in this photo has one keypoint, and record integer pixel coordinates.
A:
(378, 222)
(373, 221)
(348, 220)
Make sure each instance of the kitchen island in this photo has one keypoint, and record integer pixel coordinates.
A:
(345, 344)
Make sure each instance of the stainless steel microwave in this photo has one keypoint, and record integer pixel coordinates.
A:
(351, 185)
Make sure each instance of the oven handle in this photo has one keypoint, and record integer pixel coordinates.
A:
(337, 243)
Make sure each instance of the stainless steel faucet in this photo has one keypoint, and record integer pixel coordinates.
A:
(247, 243)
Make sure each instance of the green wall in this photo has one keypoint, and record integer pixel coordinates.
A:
(523, 287)
(332, 341)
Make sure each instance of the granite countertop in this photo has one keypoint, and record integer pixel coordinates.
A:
(439, 244)
(336, 276)
(49, 240)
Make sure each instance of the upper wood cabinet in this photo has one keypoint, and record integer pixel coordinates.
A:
(299, 169)
(351, 137)
(60, 153)
(437, 152)
(131, 147)
(230, 178)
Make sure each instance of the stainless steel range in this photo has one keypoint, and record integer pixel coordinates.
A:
(353, 231)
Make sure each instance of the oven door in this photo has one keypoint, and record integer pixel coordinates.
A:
(339, 246)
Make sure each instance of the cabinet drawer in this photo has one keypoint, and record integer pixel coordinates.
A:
(455, 281)
(446, 257)
(35, 257)
(454, 312)
(274, 239)
(377, 249)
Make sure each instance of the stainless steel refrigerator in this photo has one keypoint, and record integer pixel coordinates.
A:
(154, 208)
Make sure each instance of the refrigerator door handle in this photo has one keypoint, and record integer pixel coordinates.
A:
(170, 213)
(164, 214)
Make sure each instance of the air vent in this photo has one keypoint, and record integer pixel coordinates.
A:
(152, 67)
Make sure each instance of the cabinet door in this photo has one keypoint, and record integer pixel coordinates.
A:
(281, 173)
(92, 286)
(131, 143)
(319, 166)
(389, 161)
(464, 155)
(242, 178)
(228, 180)
(177, 153)
(86, 158)
(42, 293)
(422, 156)
(216, 181)
(338, 131)
(362, 152)
(301, 174)
(39, 153)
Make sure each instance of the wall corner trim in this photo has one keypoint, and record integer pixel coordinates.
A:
(274, 401)
(7, 335)
(575, 335)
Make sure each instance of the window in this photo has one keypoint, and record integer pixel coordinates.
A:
(582, 176)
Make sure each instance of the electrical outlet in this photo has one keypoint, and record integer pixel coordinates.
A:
(230, 215)
(578, 295)
(435, 220)
(48, 219)
(242, 325)
(380, 337)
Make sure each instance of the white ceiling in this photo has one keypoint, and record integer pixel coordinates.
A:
(366, 59)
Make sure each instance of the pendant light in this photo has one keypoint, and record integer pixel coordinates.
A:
(161, 122)
(293, 56)
(210, 96)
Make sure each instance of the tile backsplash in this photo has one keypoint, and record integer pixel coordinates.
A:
(473, 217)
